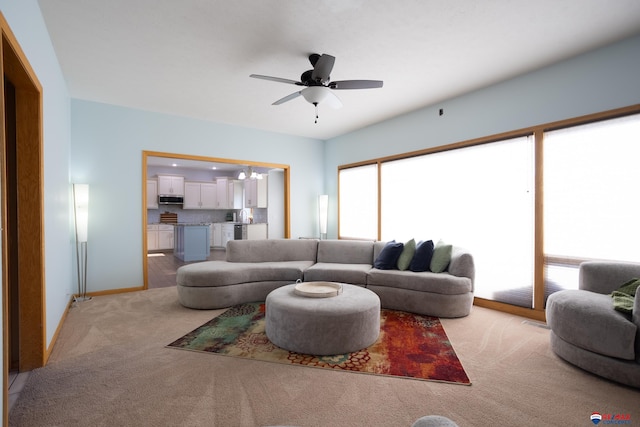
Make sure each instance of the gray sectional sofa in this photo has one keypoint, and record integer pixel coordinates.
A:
(253, 268)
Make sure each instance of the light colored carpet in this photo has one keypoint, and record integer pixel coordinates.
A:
(110, 367)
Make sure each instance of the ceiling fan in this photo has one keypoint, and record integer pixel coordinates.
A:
(318, 84)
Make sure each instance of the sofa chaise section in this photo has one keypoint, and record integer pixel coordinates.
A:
(252, 269)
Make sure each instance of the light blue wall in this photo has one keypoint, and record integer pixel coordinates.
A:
(26, 22)
(600, 80)
(107, 146)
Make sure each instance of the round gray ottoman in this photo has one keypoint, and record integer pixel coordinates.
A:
(323, 326)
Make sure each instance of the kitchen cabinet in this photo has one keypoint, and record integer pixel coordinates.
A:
(235, 194)
(227, 233)
(165, 236)
(172, 185)
(256, 231)
(152, 238)
(216, 235)
(159, 237)
(200, 195)
(152, 194)
(222, 191)
(255, 193)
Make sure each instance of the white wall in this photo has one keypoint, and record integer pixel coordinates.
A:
(107, 145)
(601, 80)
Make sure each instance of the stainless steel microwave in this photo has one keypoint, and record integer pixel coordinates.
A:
(170, 200)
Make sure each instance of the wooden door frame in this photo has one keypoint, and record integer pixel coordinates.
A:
(30, 199)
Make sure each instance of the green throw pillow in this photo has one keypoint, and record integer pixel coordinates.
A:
(407, 254)
(441, 257)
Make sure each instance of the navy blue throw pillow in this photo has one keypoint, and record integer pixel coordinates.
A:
(388, 258)
(422, 258)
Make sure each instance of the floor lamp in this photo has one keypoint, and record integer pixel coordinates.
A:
(323, 214)
(81, 217)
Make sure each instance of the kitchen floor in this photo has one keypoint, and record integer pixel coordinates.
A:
(162, 267)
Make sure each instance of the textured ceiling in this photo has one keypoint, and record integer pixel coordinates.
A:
(193, 57)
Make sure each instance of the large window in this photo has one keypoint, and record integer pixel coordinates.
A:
(358, 202)
(591, 197)
(480, 198)
(483, 197)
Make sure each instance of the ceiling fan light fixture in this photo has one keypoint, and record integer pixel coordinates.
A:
(242, 175)
(315, 94)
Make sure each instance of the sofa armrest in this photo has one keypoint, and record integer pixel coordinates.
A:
(462, 264)
(605, 277)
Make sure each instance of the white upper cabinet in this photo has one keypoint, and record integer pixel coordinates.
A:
(222, 189)
(171, 185)
(200, 195)
(255, 193)
(152, 194)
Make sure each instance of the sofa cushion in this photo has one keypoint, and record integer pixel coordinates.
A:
(441, 257)
(345, 251)
(587, 320)
(439, 283)
(222, 273)
(272, 250)
(422, 258)
(355, 274)
(388, 258)
(406, 256)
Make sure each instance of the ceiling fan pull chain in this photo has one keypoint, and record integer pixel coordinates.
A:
(316, 105)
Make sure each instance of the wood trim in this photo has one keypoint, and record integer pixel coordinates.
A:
(115, 291)
(287, 202)
(538, 221)
(511, 309)
(30, 230)
(379, 168)
(30, 199)
(145, 250)
(213, 159)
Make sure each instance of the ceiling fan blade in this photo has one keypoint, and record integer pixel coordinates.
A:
(356, 84)
(276, 79)
(287, 98)
(323, 67)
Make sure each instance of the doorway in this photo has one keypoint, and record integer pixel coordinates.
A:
(21, 213)
(279, 209)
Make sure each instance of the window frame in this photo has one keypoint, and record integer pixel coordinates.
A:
(538, 132)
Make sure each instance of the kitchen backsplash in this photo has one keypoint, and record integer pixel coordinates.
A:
(195, 216)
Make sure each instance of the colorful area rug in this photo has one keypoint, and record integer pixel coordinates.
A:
(409, 346)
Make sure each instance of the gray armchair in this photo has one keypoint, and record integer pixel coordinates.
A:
(587, 332)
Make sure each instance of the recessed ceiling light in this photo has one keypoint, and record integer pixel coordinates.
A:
(174, 165)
